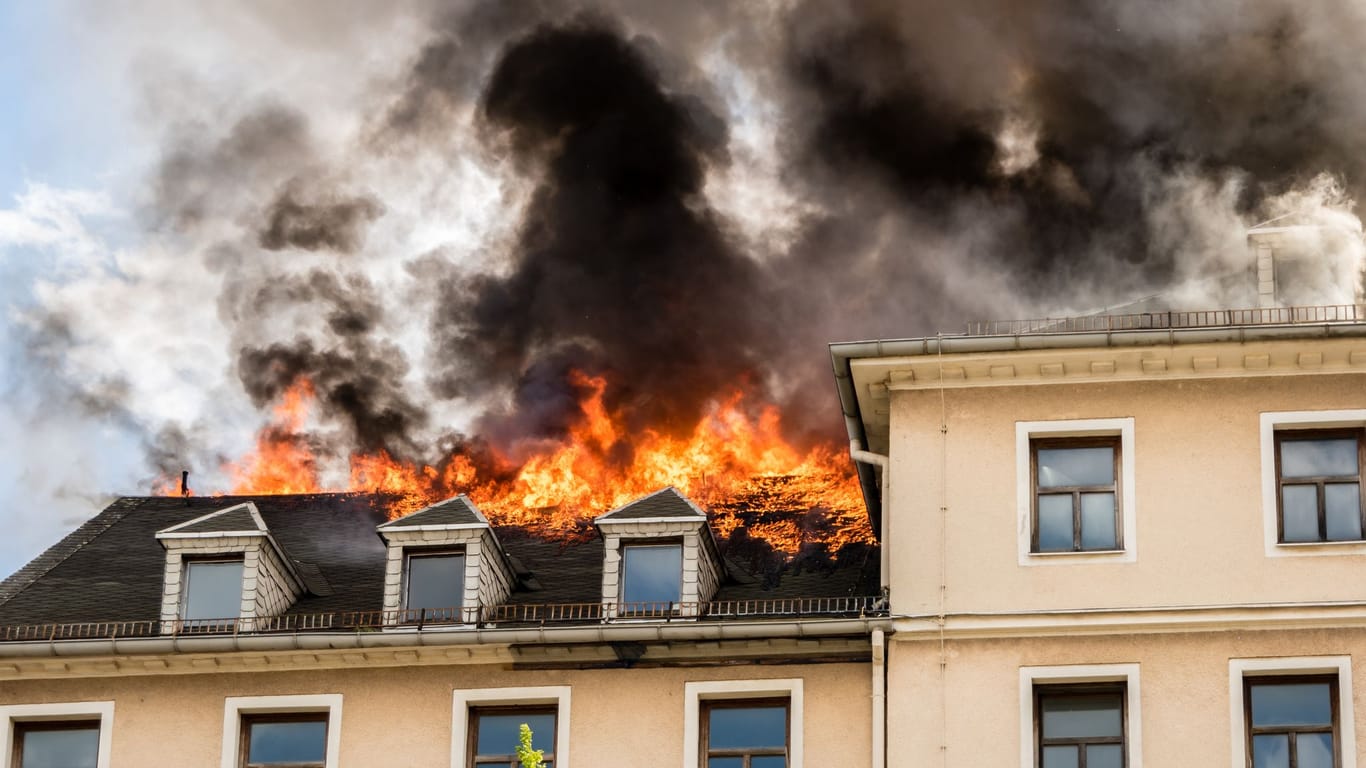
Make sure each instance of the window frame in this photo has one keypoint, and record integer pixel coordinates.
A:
(238, 710)
(250, 719)
(1064, 690)
(1240, 671)
(15, 716)
(1126, 529)
(465, 700)
(409, 615)
(695, 694)
(183, 605)
(1251, 730)
(1075, 491)
(650, 609)
(1272, 423)
(1280, 437)
(1081, 677)
(704, 749)
(472, 741)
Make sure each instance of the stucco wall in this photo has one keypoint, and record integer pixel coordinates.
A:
(974, 709)
(1198, 505)
(402, 716)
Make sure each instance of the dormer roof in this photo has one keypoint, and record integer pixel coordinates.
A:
(664, 505)
(238, 520)
(457, 512)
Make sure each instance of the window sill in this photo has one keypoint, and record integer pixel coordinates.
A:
(1311, 548)
(1091, 556)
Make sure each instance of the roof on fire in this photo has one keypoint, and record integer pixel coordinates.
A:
(111, 568)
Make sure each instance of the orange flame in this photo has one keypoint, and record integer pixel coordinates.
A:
(736, 465)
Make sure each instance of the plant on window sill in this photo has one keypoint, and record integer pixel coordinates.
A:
(530, 758)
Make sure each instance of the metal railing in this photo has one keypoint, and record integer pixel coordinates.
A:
(1140, 321)
(492, 616)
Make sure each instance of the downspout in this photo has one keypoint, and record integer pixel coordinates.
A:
(857, 453)
(879, 698)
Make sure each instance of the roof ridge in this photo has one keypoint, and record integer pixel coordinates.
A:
(56, 554)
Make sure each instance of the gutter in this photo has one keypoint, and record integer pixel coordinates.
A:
(321, 641)
(879, 639)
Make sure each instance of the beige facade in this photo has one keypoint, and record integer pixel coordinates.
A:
(406, 716)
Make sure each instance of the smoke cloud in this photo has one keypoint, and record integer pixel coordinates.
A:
(445, 216)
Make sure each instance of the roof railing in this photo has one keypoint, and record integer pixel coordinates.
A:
(1143, 321)
(492, 616)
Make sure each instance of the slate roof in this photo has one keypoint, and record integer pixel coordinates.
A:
(667, 502)
(455, 511)
(111, 568)
(230, 520)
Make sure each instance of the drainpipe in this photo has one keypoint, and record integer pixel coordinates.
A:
(857, 453)
(879, 698)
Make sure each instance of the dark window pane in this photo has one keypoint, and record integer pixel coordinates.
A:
(1319, 458)
(1098, 521)
(499, 734)
(1271, 751)
(61, 748)
(1314, 750)
(1104, 756)
(1068, 717)
(287, 742)
(1300, 513)
(1061, 467)
(213, 590)
(748, 727)
(1342, 502)
(435, 581)
(1060, 757)
(1055, 523)
(652, 574)
(1292, 704)
(768, 761)
(725, 762)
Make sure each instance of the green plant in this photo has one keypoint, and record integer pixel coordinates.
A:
(530, 758)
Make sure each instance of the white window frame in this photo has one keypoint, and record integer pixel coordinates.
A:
(1241, 669)
(1025, 431)
(236, 706)
(93, 711)
(710, 690)
(1271, 422)
(1081, 674)
(472, 698)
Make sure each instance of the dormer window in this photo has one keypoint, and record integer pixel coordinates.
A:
(211, 589)
(444, 562)
(652, 577)
(660, 560)
(434, 584)
(225, 571)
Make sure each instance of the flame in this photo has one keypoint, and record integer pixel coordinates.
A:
(735, 463)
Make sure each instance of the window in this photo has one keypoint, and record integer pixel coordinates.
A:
(297, 740)
(1075, 497)
(743, 723)
(1291, 721)
(745, 733)
(1081, 716)
(1079, 726)
(74, 735)
(268, 731)
(495, 733)
(212, 589)
(1076, 500)
(1318, 477)
(434, 585)
(57, 744)
(1292, 712)
(652, 577)
(485, 722)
